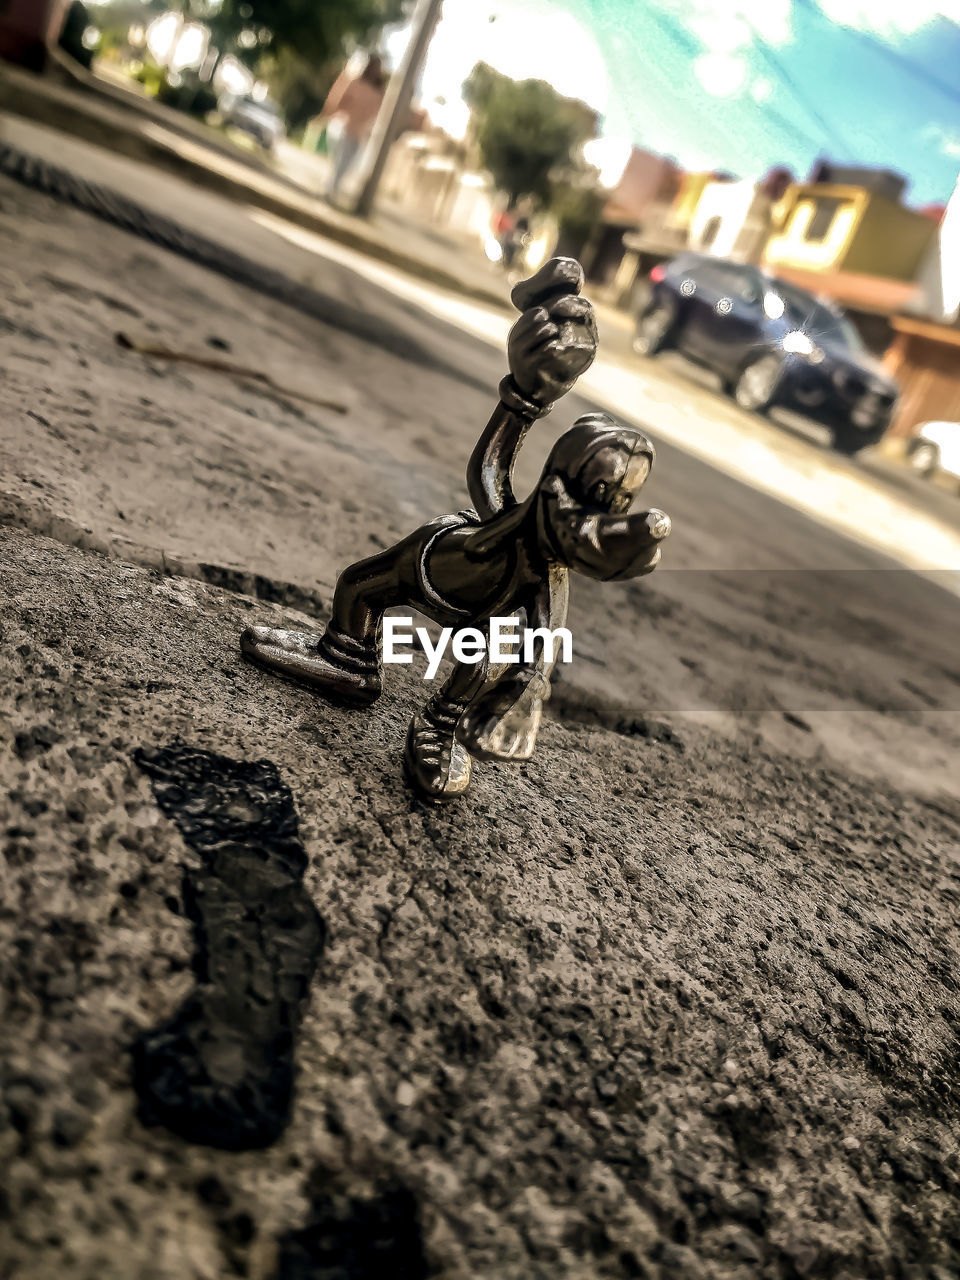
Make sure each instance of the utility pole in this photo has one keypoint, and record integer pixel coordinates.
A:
(396, 103)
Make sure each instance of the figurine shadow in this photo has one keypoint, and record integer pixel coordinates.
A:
(220, 1071)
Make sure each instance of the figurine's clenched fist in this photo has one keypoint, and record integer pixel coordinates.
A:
(555, 339)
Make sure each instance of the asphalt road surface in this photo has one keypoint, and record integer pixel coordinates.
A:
(677, 998)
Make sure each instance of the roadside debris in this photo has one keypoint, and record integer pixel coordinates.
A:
(230, 367)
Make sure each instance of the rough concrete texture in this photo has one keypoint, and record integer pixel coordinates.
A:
(677, 998)
(629, 1010)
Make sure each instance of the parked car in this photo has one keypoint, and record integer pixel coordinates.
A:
(936, 447)
(770, 342)
(259, 120)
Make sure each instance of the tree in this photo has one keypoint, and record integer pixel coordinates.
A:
(526, 132)
(297, 46)
(318, 30)
(298, 87)
(71, 35)
(577, 206)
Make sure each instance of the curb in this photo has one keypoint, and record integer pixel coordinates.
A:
(29, 101)
(120, 211)
(17, 513)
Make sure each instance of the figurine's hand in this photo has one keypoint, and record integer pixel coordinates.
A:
(556, 276)
(551, 345)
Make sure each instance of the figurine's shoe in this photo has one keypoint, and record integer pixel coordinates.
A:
(502, 724)
(308, 660)
(438, 765)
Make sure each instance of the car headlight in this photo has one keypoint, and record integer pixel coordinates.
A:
(797, 343)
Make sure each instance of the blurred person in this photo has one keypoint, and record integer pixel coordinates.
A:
(512, 231)
(503, 225)
(354, 102)
(520, 238)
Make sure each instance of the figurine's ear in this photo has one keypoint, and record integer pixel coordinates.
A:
(559, 275)
(598, 418)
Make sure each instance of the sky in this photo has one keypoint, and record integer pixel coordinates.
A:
(739, 85)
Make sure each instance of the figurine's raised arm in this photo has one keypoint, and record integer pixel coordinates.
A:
(550, 346)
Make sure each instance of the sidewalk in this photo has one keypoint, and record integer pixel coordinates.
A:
(208, 163)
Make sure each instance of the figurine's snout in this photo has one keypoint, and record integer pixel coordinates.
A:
(659, 524)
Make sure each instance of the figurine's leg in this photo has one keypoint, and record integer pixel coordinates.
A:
(502, 721)
(344, 664)
(437, 764)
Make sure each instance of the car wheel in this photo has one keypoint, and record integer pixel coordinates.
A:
(849, 441)
(756, 388)
(924, 458)
(654, 327)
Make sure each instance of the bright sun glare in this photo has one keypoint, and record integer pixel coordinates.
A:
(525, 39)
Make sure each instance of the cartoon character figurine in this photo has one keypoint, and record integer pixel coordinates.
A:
(506, 558)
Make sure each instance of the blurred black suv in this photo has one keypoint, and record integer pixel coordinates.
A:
(770, 342)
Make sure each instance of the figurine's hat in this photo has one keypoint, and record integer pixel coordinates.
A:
(571, 454)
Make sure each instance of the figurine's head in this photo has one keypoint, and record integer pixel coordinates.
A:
(592, 475)
(602, 464)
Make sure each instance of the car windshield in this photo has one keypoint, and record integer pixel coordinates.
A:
(820, 322)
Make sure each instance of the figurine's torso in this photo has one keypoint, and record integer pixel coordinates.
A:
(511, 573)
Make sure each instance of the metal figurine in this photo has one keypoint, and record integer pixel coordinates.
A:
(506, 558)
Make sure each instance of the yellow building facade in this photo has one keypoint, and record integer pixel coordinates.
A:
(824, 227)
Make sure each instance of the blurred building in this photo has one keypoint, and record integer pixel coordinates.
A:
(731, 220)
(939, 274)
(885, 182)
(925, 353)
(662, 231)
(436, 177)
(734, 219)
(648, 185)
(643, 196)
(846, 234)
(711, 212)
(827, 228)
(675, 228)
(29, 29)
